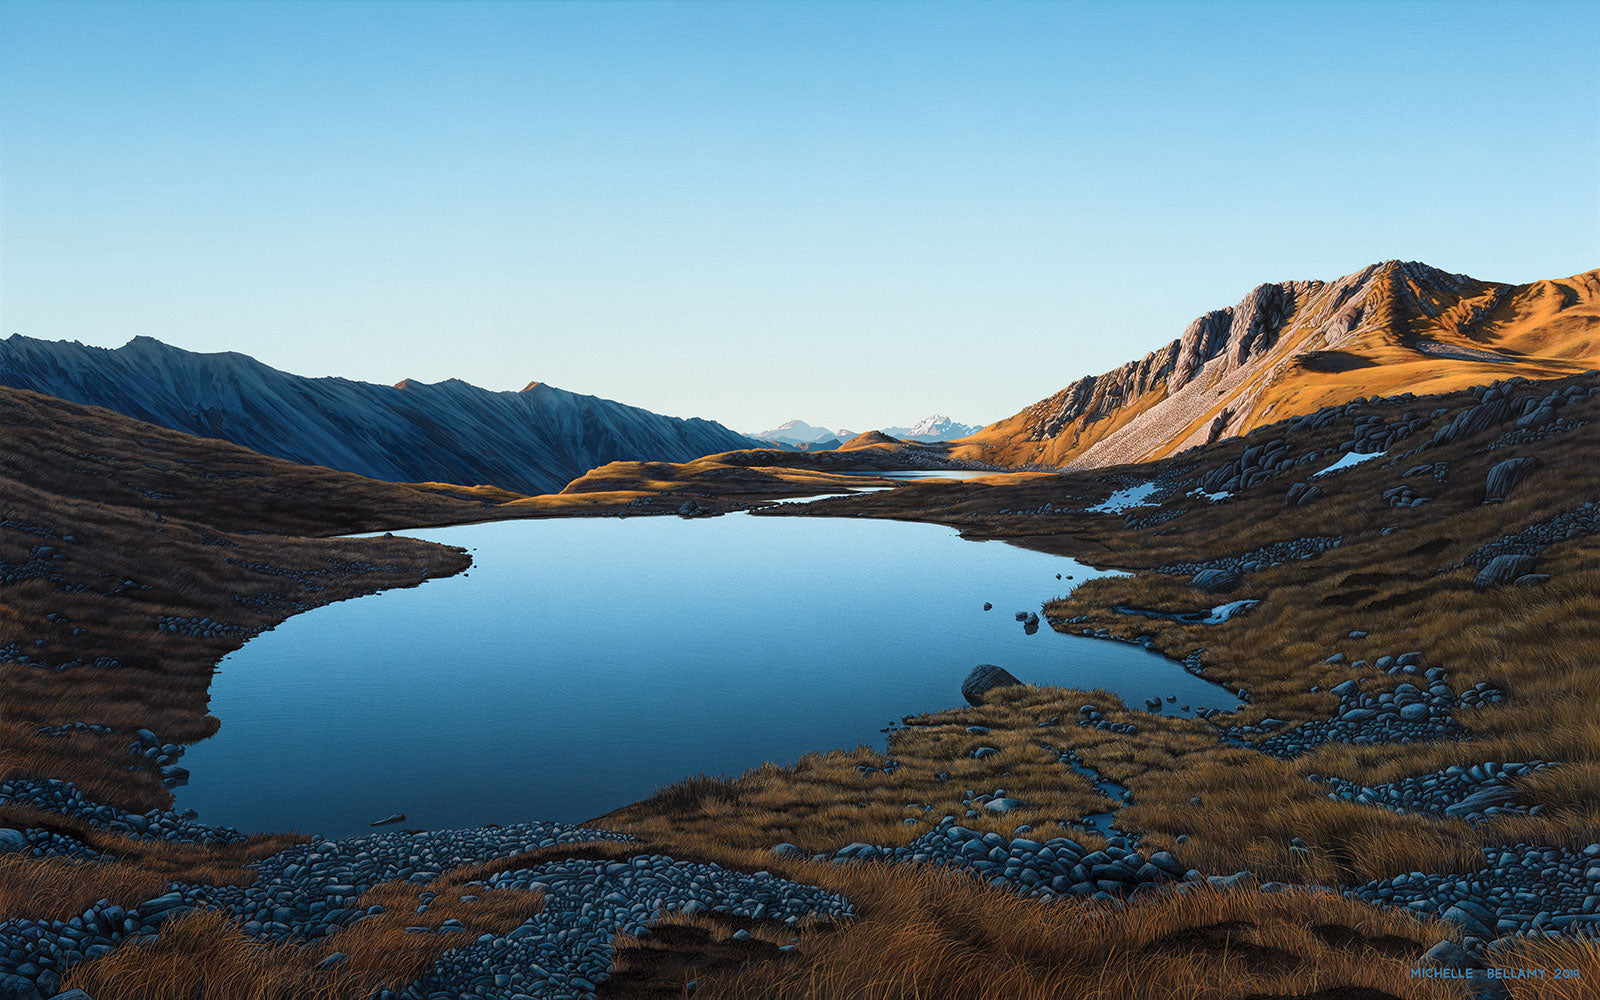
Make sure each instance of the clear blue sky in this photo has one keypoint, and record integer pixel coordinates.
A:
(857, 214)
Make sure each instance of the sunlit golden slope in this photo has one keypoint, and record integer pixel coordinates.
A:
(1294, 347)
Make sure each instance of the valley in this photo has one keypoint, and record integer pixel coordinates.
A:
(1398, 770)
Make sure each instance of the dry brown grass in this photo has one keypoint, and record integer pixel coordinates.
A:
(1571, 968)
(205, 955)
(922, 933)
(185, 518)
(823, 801)
(936, 934)
(58, 888)
(35, 887)
(1537, 644)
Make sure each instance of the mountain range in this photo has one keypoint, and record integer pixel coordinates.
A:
(1293, 347)
(533, 441)
(937, 427)
(794, 432)
(1285, 349)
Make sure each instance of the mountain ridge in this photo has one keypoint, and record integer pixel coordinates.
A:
(1290, 347)
(448, 431)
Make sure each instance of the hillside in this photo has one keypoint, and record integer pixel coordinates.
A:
(533, 441)
(137, 557)
(1293, 347)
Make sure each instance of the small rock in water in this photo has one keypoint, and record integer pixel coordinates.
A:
(387, 820)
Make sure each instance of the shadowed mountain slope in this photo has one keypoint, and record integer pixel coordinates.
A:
(1291, 348)
(533, 441)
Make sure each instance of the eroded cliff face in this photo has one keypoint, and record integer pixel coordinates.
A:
(1291, 347)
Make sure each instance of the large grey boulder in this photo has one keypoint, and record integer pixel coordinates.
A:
(1214, 581)
(1503, 569)
(1504, 477)
(985, 677)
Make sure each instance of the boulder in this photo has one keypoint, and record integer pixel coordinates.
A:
(1301, 493)
(1504, 477)
(1451, 955)
(1214, 581)
(985, 677)
(1503, 569)
(1484, 798)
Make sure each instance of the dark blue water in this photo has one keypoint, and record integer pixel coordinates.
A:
(582, 663)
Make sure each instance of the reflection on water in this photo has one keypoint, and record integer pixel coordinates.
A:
(585, 662)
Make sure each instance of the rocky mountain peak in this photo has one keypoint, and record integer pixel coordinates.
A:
(1288, 344)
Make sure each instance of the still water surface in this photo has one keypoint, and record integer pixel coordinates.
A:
(581, 663)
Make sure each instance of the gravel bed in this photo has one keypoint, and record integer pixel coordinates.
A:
(201, 628)
(313, 890)
(1059, 866)
(1275, 554)
(1475, 794)
(55, 795)
(1575, 523)
(566, 950)
(1409, 713)
(1520, 889)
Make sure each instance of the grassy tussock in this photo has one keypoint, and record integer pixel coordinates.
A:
(33, 886)
(940, 935)
(162, 678)
(1582, 954)
(822, 801)
(205, 956)
(57, 888)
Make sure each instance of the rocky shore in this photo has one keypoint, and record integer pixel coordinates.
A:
(313, 890)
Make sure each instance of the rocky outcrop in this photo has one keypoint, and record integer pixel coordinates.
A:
(1294, 347)
(533, 441)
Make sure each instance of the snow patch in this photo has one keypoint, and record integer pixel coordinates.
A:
(1350, 458)
(1223, 612)
(1121, 500)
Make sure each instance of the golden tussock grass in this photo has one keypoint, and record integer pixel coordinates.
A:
(935, 934)
(189, 521)
(205, 955)
(922, 933)
(823, 801)
(33, 887)
(1571, 968)
(59, 888)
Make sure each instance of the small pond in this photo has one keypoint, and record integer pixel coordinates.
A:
(582, 663)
